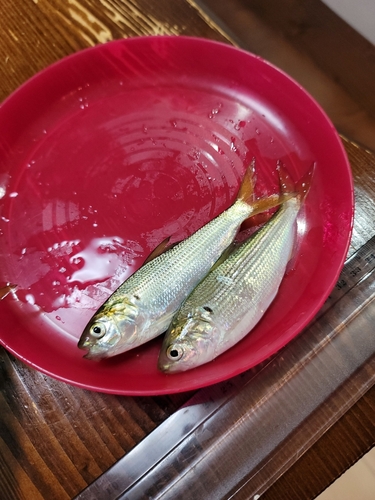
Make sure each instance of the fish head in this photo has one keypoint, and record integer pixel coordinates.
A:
(188, 343)
(112, 330)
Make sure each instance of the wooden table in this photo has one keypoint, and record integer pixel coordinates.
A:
(56, 440)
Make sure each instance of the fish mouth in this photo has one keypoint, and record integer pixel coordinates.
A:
(163, 367)
(163, 363)
(93, 355)
(93, 351)
(166, 366)
(84, 343)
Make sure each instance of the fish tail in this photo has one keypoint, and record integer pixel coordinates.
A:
(300, 188)
(246, 194)
(246, 191)
(303, 185)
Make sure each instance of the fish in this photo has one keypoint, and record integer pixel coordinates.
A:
(227, 304)
(143, 306)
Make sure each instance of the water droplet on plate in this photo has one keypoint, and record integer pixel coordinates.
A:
(30, 299)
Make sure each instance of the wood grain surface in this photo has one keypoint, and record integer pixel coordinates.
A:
(37, 33)
(328, 458)
(56, 439)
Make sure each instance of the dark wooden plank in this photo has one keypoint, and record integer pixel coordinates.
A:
(328, 458)
(332, 75)
(60, 438)
(336, 47)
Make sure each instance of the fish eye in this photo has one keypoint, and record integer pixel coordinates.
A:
(97, 330)
(175, 353)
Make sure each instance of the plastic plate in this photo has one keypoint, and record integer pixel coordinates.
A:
(109, 151)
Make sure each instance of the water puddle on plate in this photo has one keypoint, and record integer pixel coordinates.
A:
(98, 188)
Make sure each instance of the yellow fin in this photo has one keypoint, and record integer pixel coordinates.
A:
(246, 191)
(268, 202)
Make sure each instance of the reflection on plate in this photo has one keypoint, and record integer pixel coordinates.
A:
(106, 153)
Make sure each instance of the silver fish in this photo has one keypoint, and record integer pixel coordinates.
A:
(143, 306)
(233, 297)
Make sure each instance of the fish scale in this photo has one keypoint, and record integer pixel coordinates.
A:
(177, 268)
(245, 267)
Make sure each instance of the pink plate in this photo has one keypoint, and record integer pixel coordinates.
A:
(106, 153)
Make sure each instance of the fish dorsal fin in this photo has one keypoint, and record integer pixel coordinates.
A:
(161, 248)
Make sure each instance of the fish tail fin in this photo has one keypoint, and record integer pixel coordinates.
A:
(268, 202)
(303, 185)
(300, 188)
(246, 194)
(246, 191)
